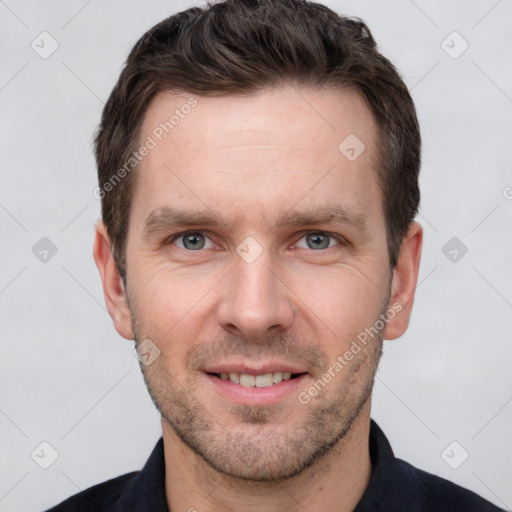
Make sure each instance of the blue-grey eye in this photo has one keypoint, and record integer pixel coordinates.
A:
(317, 240)
(192, 241)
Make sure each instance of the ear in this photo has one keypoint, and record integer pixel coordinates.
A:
(403, 285)
(113, 287)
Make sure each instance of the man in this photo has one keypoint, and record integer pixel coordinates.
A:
(258, 169)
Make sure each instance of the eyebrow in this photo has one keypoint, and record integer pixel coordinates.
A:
(162, 220)
(335, 214)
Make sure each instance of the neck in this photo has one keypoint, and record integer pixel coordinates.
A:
(334, 483)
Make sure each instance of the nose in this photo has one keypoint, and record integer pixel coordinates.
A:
(254, 300)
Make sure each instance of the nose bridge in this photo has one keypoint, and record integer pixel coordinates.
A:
(254, 299)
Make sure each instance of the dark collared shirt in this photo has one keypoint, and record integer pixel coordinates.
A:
(394, 486)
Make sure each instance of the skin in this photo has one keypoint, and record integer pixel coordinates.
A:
(273, 153)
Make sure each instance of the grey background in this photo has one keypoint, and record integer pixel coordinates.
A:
(68, 379)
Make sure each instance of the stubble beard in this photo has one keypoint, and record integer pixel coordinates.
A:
(263, 447)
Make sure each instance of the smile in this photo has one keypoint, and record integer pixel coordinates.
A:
(255, 389)
(259, 381)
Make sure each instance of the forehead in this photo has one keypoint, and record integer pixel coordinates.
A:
(268, 151)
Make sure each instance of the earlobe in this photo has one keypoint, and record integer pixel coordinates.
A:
(403, 285)
(113, 287)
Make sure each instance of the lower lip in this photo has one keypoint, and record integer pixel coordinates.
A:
(257, 396)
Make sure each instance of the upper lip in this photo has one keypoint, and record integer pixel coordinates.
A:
(254, 369)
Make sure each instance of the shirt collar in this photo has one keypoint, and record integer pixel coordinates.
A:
(146, 492)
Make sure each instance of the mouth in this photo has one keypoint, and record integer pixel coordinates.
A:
(263, 380)
(246, 385)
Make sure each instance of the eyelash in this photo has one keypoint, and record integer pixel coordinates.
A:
(341, 241)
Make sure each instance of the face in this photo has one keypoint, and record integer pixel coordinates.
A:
(257, 250)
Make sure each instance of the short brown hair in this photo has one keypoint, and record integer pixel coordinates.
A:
(245, 46)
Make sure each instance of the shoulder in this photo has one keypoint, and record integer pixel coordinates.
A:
(137, 491)
(441, 495)
(396, 485)
(100, 498)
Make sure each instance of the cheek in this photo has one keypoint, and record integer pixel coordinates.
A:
(342, 303)
(172, 304)
(164, 287)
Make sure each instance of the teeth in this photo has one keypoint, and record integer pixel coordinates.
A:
(277, 377)
(260, 381)
(248, 381)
